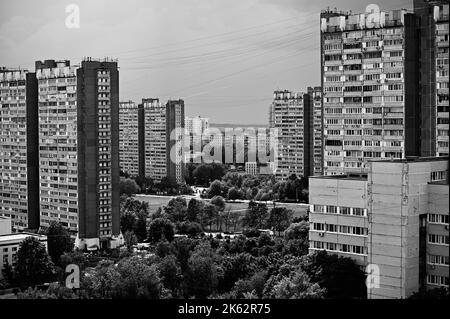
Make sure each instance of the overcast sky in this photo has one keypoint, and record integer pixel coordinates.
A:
(223, 57)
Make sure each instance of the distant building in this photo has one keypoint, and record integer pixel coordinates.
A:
(395, 217)
(174, 140)
(5, 225)
(292, 114)
(10, 244)
(251, 168)
(129, 138)
(160, 122)
(196, 125)
(195, 128)
(316, 131)
(19, 165)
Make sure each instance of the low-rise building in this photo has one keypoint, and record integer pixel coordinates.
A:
(394, 219)
(9, 245)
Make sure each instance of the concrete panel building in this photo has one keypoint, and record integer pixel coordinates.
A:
(433, 28)
(58, 163)
(298, 120)
(338, 218)
(162, 127)
(129, 137)
(98, 153)
(403, 226)
(175, 140)
(370, 67)
(19, 175)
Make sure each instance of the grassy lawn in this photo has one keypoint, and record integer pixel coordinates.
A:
(159, 201)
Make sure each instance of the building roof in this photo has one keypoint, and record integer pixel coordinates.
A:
(412, 159)
(20, 236)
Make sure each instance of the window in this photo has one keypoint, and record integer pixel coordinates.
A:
(359, 212)
(437, 239)
(438, 260)
(437, 280)
(439, 176)
(331, 209)
(438, 218)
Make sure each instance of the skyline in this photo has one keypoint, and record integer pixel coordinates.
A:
(206, 56)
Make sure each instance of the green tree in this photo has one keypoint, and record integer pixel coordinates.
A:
(280, 219)
(127, 221)
(176, 209)
(202, 276)
(160, 227)
(128, 186)
(215, 189)
(233, 194)
(58, 241)
(130, 240)
(340, 276)
(209, 215)
(297, 231)
(194, 210)
(140, 227)
(33, 266)
(170, 272)
(297, 286)
(256, 215)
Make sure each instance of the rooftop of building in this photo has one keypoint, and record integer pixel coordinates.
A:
(412, 159)
(348, 176)
(20, 236)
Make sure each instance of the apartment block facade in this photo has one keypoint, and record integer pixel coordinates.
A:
(297, 124)
(175, 140)
(155, 138)
(316, 128)
(395, 219)
(98, 153)
(433, 19)
(129, 130)
(19, 175)
(370, 66)
(58, 163)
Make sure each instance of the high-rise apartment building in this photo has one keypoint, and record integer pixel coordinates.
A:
(287, 115)
(290, 114)
(129, 138)
(316, 130)
(58, 164)
(155, 139)
(393, 219)
(433, 19)
(371, 106)
(163, 132)
(98, 153)
(175, 140)
(195, 129)
(196, 125)
(19, 175)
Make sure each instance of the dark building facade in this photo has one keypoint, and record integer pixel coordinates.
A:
(98, 152)
(174, 137)
(433, 21)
